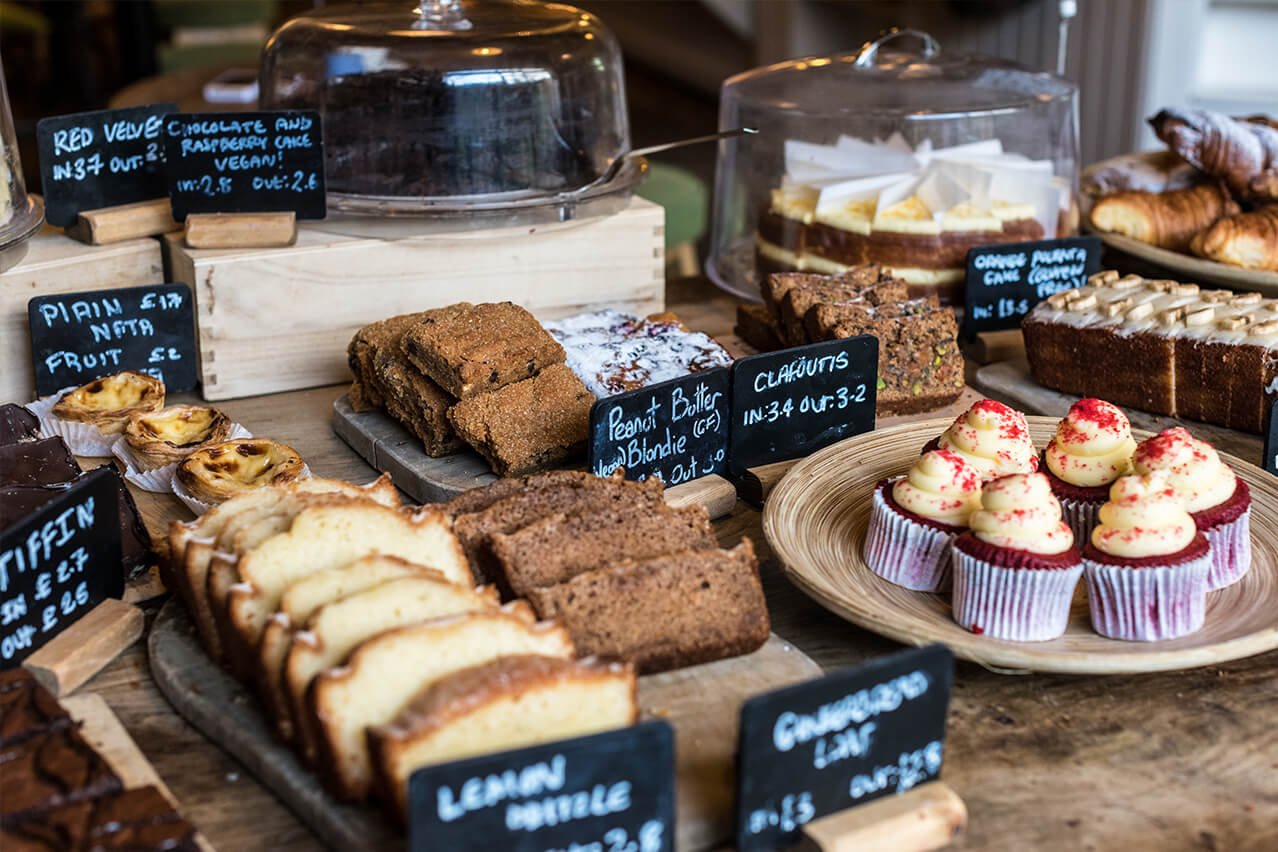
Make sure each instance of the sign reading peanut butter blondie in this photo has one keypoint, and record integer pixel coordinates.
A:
(1006, 281)
(677, 430)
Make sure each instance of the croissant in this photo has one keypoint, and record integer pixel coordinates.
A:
(1249, 240)
(1165, 219)
(1235, 151)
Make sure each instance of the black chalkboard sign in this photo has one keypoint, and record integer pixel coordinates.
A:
(58, 563)
(79, 337)
(91, 160)
(1270, 461)
(820, 747)
(677, 430)
(246, 162)
(609, 791)
(1006, 281)
(788, 403)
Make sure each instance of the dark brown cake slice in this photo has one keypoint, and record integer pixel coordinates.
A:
(140, 820)
(665, 612)
(27, 709)
(798, 302)
(822, 318)
(559, 547)
(473, 349)
(478, 499)
(17, 424)
(49, 770)
(756, 327)
(417, 402)
(45, 462)
(363, 348)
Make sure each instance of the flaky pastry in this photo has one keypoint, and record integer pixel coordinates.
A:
(163, 437)
(110, 401)
(218, 472)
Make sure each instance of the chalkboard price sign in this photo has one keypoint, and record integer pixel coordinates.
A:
(1270, 462)
(820, 747)
(91, 160)
(79, 337)
(609, 791)
(58, 563)
(1006, 281)
(677, 430)
(246, 162)
(792, 402)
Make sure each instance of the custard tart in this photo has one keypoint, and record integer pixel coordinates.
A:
(110, 401)
(218, 472)
(168, 436)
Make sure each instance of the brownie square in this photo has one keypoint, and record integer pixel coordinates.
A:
(756, 327)
(133, 820)
(27, 709)
(362, 351)
(50, 770)
(417, 402)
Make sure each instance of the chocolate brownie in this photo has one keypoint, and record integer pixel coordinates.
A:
(140, 820)
(669, 611)
(363, 348)
(17, 424)
(527, 426)
(45, 462)
(756, 327)
(417, 402)
(49, 770)
(472, 349)
(27, 709)
(560, 547)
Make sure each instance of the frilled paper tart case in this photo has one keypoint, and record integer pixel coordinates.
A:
(163, 437)
(110, 401)
(221, 471)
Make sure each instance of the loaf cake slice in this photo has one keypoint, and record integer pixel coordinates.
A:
(506, 703)
(559, 547)
(383, 674)
(480, 498)
(665, 612)
(337, 627)
(299, 602)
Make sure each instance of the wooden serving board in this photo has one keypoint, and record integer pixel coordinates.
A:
(389, 447)
(702, 703)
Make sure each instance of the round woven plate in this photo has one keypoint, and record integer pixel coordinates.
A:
(816, 519)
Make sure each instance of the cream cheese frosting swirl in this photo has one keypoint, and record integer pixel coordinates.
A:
(992, 438)
(1018, 511)
(940, 486)
(1144, 517)
(1093, 445)
(1192, 467)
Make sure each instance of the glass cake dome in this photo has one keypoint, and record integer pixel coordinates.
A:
(905, 157)
(457, 106)
(20, 214)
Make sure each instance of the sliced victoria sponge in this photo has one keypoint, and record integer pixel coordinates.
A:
(506, 703)
(383, 674)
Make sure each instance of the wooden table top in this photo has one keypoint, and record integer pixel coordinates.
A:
(1179, 760)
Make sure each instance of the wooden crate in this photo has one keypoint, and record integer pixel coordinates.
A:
(279, 319)
(55, 263)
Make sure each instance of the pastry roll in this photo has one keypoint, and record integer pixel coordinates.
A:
(1249, 240)
(1165, 219)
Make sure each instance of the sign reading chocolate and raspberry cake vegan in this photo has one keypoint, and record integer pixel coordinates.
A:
(57, 563)
(677, 430)
(820, 747)
(91, 160)
(613, 790)
(792, 402)
(1006, 281)
(246, 162)
(79, 337)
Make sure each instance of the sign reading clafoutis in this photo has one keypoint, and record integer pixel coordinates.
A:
(79, 337)
(91, 160)
(820, 747)
(1270, 461)
(57, 563)
(246, 162)
(1006, 281)
(792, 402)
(609, 791)
(677, 430)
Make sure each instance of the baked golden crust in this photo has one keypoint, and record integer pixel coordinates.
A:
(163, 437)
(218, 472)
(110, 401)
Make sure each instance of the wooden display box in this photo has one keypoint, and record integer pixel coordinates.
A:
(55, 263)
(279, 319)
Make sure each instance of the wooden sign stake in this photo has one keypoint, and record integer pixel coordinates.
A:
(241, 230)
(125, 222)
(991, 346)
(86, 647)
(928, 817)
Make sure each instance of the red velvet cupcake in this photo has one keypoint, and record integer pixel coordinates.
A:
(992, 438)
(1092, 447)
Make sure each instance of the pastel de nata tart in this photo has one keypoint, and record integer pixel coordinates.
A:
(1217, 499)
(170, 435)
(915, 518)
(218, 472)
(1016, 568)
(992, 438)
(1147, 563)
(110, 401)
(1092, 447)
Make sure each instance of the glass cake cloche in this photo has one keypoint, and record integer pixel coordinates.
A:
(904, 157)
(458, 106)
(21, 215)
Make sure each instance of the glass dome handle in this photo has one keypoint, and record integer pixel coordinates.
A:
(870, 50)
(441, 15)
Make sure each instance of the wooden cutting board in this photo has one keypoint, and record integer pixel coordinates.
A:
(703, 704)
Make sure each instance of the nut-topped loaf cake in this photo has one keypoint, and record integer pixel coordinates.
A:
(1161, 346)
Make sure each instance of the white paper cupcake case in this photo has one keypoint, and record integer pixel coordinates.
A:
(906, 552)
(1082, 517)
(1021, 604)
(84, 439)
(157, 479)
(1148, 603)
(199, 507)
(1230, 551)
